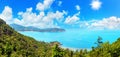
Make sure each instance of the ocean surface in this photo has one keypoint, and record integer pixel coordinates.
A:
(75, 38)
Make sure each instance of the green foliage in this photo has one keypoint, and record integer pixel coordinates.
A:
(57, 51)
(14, 44)
(99, 42)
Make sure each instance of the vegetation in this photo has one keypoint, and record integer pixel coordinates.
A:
(14, 44)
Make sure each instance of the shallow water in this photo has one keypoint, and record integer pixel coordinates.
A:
(75, 38)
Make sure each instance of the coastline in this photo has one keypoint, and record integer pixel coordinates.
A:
(74, 49)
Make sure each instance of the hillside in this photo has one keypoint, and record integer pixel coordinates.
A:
(13, 44)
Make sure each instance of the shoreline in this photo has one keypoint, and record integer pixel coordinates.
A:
(74, 49)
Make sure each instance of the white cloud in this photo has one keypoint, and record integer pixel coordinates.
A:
(77, 7)
(7, 14)
(96, 4)
(72, 19)
(40, 20)
(30, 18)
(106, 23)
(59, 3)
(43, 20)
(45, 5)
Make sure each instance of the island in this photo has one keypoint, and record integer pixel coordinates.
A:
(30, 28)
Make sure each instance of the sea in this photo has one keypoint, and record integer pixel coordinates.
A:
(75, 38)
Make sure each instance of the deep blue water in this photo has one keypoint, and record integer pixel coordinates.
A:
(75, 38)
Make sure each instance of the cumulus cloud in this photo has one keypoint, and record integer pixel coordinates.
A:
(107, 23)
(111, 23)
(96, 4)
(7, 14)
(77, 7)
(40, 20)
(45, 5)
(72, 19)
(48, 19)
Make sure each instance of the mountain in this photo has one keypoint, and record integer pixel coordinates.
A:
(22, 28)
(30, 28)
(14, 44)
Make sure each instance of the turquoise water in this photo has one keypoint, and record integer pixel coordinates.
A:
(75, 38)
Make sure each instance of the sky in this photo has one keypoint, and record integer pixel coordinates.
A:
(81, 14)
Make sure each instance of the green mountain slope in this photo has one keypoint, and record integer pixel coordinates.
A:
(13, 44)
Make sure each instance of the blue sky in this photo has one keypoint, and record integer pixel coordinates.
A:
(88, 14)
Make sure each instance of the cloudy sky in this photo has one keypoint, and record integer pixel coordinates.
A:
(82, 14)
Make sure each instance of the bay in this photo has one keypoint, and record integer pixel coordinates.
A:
(75, 38)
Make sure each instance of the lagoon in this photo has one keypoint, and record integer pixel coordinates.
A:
(75, 38)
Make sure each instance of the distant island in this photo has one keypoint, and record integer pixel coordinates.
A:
(30, 28)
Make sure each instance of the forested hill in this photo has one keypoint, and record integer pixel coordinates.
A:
(14, 44)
